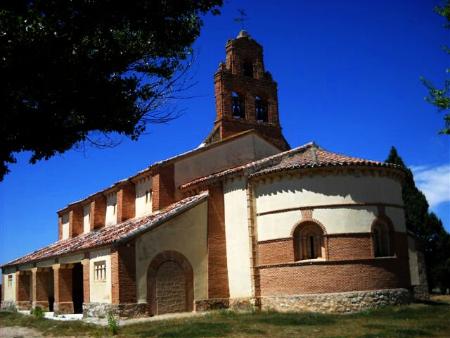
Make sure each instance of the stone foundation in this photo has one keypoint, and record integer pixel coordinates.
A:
(211, 304)
(101, 310)
(345, 302)
(23, 305)
(420, 292)
(42, 304)
(8, 305)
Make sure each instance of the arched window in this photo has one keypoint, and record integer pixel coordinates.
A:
(309, 242)
(381, 240)
(261, 109)
(237, 105)
(247, 69)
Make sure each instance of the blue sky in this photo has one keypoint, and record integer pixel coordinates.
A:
(348, 76)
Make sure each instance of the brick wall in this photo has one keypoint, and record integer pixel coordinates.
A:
(76, 221)
(349, 246)
(123, 273)
(126, 200)
(334, 276)
(337, 247)
(163, 187)
(275, 251)
(23, 286)
(98, 211)
(217, 252)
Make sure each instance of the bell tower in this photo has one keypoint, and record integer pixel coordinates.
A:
(246, 95)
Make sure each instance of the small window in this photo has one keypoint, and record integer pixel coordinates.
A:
(147, 197)
(100, 271)
(248, 69)
(238, 106)
(261, 110)
(381, 243)
(10, 280)
(308, 242)
(114, 208)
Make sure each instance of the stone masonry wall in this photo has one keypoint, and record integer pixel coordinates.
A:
(346, 302)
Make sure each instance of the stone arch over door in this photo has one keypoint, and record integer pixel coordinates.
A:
(170, 284)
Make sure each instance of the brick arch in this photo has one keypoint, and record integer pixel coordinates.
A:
(308, 225)
(182, 262)
(385, 221)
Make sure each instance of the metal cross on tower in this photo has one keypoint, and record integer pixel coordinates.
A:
(242, 18)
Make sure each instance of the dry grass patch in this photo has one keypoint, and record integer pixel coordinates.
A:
(430, 319)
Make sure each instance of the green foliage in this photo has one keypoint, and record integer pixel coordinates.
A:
(440, 97)
(427, 227)
(73, 71)
(37, 312)
(113, 324)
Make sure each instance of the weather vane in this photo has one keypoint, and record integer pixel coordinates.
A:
(242, 18)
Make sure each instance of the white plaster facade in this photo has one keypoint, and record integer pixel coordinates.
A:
(111, 209)
(237, 238)
(342, 204)
(143, 197)
(65, 226)
(86, 218)
(100, 291)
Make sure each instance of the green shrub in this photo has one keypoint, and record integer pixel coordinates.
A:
(37, 312)
(113, 324)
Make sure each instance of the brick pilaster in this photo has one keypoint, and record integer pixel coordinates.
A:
(86, 281)
(41, 279)
(163, 187)
(98, 211)
(76, 221)
(126, 201)
(23, 290)
(63, 288)
(123, 274)
(217, 252)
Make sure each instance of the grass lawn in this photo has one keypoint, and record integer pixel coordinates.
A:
(415, 320)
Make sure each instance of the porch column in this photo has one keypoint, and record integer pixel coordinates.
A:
(23, 290)
(86, 279)
(41, 283)
(63, 288)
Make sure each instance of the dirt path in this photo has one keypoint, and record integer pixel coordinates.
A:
(18, 332)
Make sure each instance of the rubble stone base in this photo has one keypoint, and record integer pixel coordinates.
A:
(101, 310)
(420, 292)
(345, 302)
(9, 305)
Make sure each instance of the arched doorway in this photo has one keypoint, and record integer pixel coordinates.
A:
(169, 284)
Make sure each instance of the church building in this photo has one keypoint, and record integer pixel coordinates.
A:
(244, 221)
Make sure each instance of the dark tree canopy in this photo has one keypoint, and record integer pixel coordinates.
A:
(426, 226)
(70, 68)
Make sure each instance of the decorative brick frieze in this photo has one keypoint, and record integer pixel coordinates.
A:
(217, 251)
(126, 201)
(344, 302)
(163, 187)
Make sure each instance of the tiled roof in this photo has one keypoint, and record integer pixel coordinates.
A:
(309, 155)
(110, 234)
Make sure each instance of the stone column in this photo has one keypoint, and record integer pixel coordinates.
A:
(23, 290)
(41, 279)
(63, 288)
